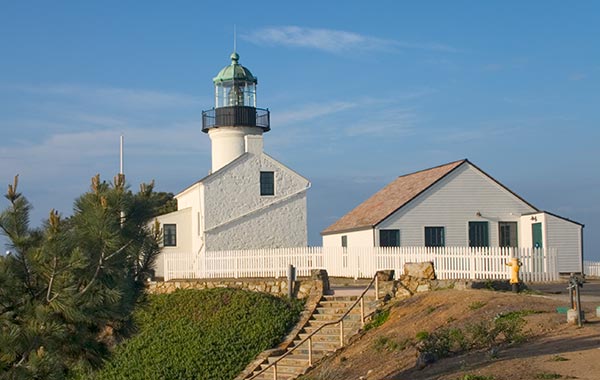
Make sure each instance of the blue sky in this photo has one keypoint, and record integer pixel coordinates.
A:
(359, 93)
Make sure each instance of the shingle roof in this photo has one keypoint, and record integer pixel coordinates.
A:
(389, 199)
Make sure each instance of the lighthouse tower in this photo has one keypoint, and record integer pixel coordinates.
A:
(234, 125)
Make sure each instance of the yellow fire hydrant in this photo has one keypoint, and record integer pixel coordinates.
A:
(515, 265)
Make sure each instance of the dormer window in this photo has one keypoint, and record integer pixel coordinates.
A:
(267, 183)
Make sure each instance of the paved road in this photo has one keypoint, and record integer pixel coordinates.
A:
(590, 292)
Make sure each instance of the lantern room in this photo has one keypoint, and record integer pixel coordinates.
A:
(235, 85)
(235, 100)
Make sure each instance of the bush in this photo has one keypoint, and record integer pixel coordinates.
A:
(209, 334)
(505, 328)
(378, 319)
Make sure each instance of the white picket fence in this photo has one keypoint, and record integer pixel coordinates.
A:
(591, 268)
(539, 264)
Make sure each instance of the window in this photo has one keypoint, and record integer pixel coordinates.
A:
(267, 183)
(507, 233)
(389, 238)
(344, 240)
(170, 235)
(478, 234)
(434, 237)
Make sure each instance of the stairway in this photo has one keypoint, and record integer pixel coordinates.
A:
(327, 340)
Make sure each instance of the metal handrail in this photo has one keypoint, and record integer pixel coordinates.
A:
(340, 320)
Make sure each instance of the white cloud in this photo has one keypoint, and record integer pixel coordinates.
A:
(113, 96)
(311, 111)
(333, 41)
(386, 122)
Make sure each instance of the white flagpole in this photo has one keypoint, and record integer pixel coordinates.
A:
(121, 156)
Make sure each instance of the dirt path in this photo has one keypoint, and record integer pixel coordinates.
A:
(553, 349)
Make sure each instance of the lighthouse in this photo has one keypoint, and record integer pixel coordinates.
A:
(235, 125)
(249, 200)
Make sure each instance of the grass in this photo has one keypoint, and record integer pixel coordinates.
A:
(200, 334)
(484, 334)
(378, 319)
(384, 343)
(545, 375)
(476, 305)
(475, 377)
(558, 358)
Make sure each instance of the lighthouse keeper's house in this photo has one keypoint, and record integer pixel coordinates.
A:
(456, 205)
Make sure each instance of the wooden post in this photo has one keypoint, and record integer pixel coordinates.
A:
(362, 312)
(310, 351)
(376, 287)
(342, 333)
(275, 371)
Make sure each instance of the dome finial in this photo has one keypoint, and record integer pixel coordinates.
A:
(234, 58)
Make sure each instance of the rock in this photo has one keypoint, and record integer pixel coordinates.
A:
(385, 275)
(424, 359)
(420, 270)
(321, 275)
(402, 292)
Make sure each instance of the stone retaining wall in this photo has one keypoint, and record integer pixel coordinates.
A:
(276, 287)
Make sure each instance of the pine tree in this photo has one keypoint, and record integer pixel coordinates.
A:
(69, 282)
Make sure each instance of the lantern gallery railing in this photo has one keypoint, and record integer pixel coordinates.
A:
(236, 116)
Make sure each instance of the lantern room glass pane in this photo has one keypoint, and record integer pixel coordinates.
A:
(235, 94)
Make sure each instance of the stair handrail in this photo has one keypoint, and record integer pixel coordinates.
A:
(339, 320)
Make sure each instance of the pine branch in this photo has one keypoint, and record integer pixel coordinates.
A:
(50, 283)
(100, 263)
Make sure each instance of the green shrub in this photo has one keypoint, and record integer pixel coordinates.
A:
(208, 334)
(510, 326)
(476, 377)
(383, 343)
(558, 358)
(548, 376)
(505, 328)
(476, 305)
(378, 319)
(422, 336)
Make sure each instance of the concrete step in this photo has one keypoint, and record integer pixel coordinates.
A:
(321, 337)
(330, 345)
(334, 317)
(298, 359)
(327, 340)
(315, 323)
(339, 298)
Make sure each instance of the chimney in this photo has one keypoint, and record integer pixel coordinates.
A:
(254, 144)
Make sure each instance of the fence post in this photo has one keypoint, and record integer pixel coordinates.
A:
(472, 263)
(166, 267)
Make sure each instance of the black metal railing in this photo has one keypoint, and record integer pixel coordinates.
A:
(236, 116)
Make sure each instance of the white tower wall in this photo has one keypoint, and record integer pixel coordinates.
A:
(228, 143)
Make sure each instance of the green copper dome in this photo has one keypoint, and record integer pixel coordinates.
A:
(235, 72)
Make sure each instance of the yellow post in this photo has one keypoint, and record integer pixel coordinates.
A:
(515, 267)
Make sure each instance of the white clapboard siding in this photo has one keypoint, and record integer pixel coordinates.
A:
(463, 196)
(485, 263)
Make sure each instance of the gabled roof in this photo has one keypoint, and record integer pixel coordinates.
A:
(389, 199)
(234, 162)
(216, 173)
(399, 193)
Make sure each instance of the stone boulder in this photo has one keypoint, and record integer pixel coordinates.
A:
(421, 271)
(385, 275)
